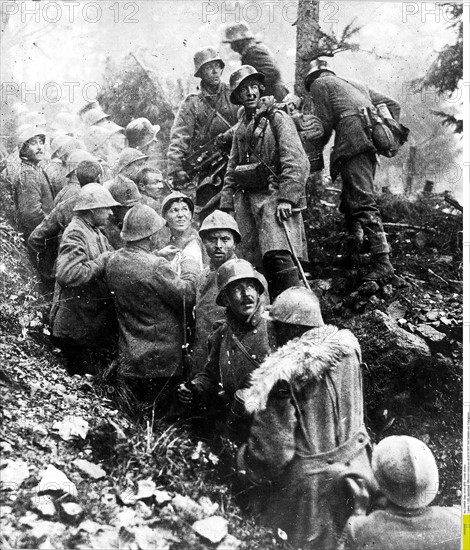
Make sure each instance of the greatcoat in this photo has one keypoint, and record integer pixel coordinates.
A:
(33, 196)
(150, 299)
(307, 434)
(433, 527)
(278, 144)
(196, 123)
(82, 311)
(227, 366)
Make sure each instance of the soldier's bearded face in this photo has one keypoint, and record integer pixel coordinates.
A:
(178, 217)
(220, 246)
(211, 73)
(242, 298)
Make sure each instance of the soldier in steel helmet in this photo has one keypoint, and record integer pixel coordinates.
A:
(307, 435)
(406, 474)
(56, 170)
(238, 345)
(200, 118)
(141, 134)
(82, 315)
(220, 235)
(338, 103)
(43, 243)
(151, 300)
(264, 187)
(33, 195)
(255, 53)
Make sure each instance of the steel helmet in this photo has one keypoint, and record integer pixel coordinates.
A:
(296, 306)
(95, 137)
(238, 76)
(27, 132)
(235, 270)
(64, 122)
(406, 471)
(140, 132)
(204, 56)
(94, 195)
(128, 156)
(94, 116)
(75, 158)
(140, 222)
(93, 104)
(317, 66)
(176, 196)
(63, 145)
(35, 119)
(238, 31)
(220, 220)
(125, 191)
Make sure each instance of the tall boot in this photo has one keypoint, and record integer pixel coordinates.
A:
(280, 272)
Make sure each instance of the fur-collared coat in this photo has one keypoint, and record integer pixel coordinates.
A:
(307, 434)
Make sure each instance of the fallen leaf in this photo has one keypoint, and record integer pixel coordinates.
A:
(89, 468)
(54, 480)
(71, 427)
(14, 474)
(214, 529)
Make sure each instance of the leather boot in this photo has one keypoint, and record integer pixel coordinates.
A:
(380, 271)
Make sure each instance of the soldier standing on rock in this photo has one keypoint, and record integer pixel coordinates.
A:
(338, 104)
(200, 118)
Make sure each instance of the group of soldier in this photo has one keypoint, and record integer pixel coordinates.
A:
(174, 294)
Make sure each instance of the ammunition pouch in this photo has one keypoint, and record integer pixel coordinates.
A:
(388, 136)
(252, 177)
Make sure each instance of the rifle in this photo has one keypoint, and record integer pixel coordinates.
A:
(205, 159)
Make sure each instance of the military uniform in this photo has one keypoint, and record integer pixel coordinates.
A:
(235, 350)
(196, 123)
(82, 314)
(337, 103)
(56, 172)
(280, 148)
(261, 58)
(33, 196)
(407, 529)
(150, 299)
(307, 434)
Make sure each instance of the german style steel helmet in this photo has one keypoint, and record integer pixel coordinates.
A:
(140, 222)
(317, 66)
(238, 31)
(296, 306)
(219, 220)
(238, 76)
(235, 270)
(204, 56)
(94, 195)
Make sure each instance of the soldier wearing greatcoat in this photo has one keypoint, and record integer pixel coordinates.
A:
(33, 195)
(151, 300)
(82, 315)
(257, 55)
(264, 187)
(338, 103)
(307, 436)
(200, 118)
